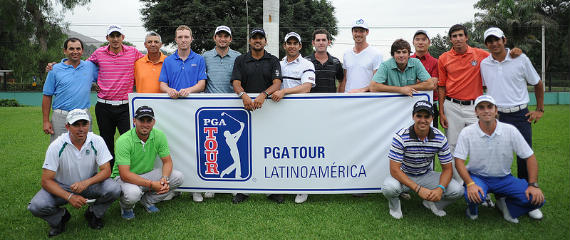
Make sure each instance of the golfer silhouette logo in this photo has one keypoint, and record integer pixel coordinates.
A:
(223, 144)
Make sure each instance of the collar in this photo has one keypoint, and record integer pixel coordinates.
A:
(81, 63)
(424, 57)
(250, 57)
(160, 59)
(498, 130)
(329, 58)
(67, 139)
(413, 135)
(297, 60)
(228, 54)
(469, 51)
(190, 56)
(507, 58)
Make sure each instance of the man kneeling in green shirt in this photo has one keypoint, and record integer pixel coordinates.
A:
(135, 153)
(402, 74)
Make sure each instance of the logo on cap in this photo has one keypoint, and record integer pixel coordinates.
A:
(360, 21)
(223, 144)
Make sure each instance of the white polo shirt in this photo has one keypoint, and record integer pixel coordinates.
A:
(506, 81)
(360, 67)
(491, 156)
(72, 165)
(297, 72)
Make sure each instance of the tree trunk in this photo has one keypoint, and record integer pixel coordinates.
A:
(38, 20)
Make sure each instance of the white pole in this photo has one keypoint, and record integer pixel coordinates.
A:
(271, 25)
(543, 59)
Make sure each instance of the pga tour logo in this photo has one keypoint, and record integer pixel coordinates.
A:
(224, 144)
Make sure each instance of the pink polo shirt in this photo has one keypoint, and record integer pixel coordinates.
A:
(116, 71)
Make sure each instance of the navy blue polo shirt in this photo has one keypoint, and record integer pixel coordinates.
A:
(256, 75)
(180, 74)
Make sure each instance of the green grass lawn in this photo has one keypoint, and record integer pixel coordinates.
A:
(23, 145)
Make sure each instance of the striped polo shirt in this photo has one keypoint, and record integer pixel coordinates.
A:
(116, 71)
(416, 155)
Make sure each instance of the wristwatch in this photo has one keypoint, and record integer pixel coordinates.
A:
(241, 94)
(534, 184)
(266, 94)
(167, 178)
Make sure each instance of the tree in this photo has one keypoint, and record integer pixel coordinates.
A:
(203, 16)
(441, 44)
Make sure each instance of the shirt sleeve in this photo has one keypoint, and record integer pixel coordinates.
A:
(434, 71)
(531, 75)
(520, 146)
(308, 75)
(123, 151)
(396, 152)
(378, 61)
(93, 58)
(339, 71)
(441, 72)
(381, 76)
(462, 146)
(202, 68)
(421, 71)
(51, 161)
(444, 154)
(138, 54)
(95, 70)
(162, 145)
(276, 70)
(236, 72)
(103, 154)
(164, 72)
(49, 85)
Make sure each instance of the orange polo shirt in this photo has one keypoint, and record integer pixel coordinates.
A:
(460, 73)
(147, 73)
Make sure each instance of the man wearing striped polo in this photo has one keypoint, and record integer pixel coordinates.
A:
(411, 155)
(116, 79)
(68, 85)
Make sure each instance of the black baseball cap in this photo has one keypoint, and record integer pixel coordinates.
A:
(144, 111)
(257, 31)
(423, 105)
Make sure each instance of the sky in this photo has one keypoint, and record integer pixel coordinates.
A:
(388, 20)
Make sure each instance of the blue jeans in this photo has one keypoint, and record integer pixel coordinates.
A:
(520, 121)
(508, 186)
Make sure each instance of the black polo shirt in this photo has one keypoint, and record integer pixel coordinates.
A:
(256, 75)
(326, 74)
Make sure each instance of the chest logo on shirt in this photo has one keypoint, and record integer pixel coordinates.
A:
(473, 62)
(223, 144)
(193, 64)
(87, 152)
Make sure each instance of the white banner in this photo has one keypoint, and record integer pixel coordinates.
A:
(306, 143)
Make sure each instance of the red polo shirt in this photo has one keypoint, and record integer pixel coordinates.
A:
(430, 63)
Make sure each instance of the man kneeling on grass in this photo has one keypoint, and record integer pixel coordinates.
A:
(411, 154)
(70, 176)
(490, 144)
(135, 153)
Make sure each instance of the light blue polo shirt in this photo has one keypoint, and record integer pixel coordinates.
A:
(389, 74)
(180, 74)
(69, 86)
(219, 70)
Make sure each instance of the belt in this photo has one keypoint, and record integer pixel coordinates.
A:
(66, 112)
(462, 102)
(111, 102)
(512, 109)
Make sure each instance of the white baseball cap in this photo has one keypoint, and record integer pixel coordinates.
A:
(114, 28)
(293, 34)
(76, 115)
(494, 31)
(485, 98)
(223, 28)
(360, 23)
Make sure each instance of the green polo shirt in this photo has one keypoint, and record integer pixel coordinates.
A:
(389, 74)
(129, 150)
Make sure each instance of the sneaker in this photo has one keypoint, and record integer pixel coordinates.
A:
(301, 198)
(488, 202)
(197, 197)
(151, 208)
(93, 221)
(405, 196)
(431, 206)
(127, 214)
(170, 195)
(468, 213)
(502, 206)
(209, 195)
(535, 214)
(238, 198)
(278, 198)
(60, 227)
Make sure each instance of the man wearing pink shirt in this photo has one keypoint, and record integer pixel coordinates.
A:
(116, 79)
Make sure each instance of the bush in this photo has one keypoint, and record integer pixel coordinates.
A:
(9, 103)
